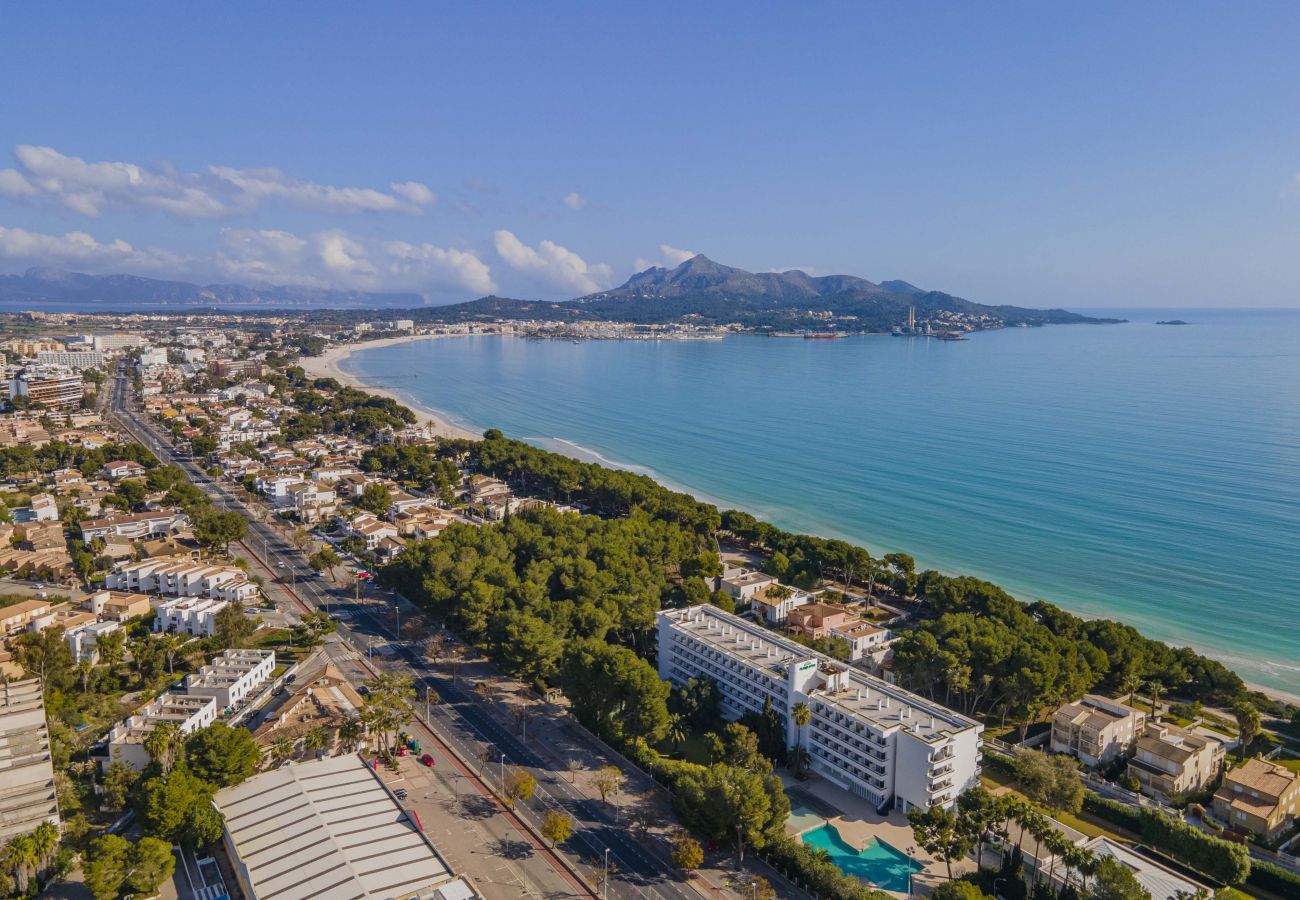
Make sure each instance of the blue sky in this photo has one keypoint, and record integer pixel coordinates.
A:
(1113, 155)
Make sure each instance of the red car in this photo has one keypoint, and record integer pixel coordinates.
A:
(426, 760)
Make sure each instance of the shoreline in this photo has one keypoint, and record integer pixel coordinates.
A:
(327, 365)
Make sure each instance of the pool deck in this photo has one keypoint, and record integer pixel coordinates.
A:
(859, 824)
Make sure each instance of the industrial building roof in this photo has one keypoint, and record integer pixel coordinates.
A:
(329, 830)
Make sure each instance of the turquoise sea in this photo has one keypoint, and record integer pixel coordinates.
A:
(1141, 472)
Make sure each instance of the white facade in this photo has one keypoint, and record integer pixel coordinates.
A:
(869, 737)
(232, 676)
(27, 794)
(83, 640)
(174, 577)
(188, 713)
(189, 615)
(73, 359)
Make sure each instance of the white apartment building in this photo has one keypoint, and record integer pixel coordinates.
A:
(136, 526)
(189, 615)
(189, 713)
(73, 359)
(179, 577)
(869, 737)
(27, 795)
(232, 676)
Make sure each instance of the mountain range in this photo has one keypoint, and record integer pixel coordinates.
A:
(708, 292)
(698, 290)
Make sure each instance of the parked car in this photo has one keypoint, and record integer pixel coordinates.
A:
(400, 793)
(427, 760)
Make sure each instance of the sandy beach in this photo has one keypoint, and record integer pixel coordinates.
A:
(327, 366)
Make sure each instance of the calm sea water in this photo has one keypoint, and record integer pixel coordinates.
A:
(1146, 473)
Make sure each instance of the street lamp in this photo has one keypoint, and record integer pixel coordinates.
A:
(910, 870)
(503, 773)
(604, 882)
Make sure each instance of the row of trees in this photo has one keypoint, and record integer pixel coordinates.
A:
(22, 458)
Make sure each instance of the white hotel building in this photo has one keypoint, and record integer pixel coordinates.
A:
(869, 737)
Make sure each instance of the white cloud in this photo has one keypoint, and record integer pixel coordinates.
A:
(574, 200)
(552, 264)
(669, 258)
(417, 192)
(92, 188)
(79, 249)
(334, 259)
(415, 261)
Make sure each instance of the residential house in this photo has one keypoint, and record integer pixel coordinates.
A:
(136, 526)
(123, 468)
(1096, 729)
(1169, 760)
(83, 640)
(188, 615)
(742, 584)
(310, 502)
(17, 616)
(372, 530)
(776, 601)
(117, 606)
(1259, 797)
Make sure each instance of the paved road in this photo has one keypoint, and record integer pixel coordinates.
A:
(642, 868)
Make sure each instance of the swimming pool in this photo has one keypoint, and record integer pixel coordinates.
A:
(882, 865)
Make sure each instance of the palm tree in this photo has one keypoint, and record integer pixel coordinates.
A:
(20, 857)
(317, 739)
(1057, 845)
(1154, 690)
(281, 750)
(46, 837)
(1130, 686)
(164, 745)
(170, 645)
(112, 649)
(85, 669)
(802, 715)
(676, 729)
(350, 732)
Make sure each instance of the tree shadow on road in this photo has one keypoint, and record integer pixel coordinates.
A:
(513, 850)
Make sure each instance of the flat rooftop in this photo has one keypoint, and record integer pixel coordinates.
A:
(865, 696)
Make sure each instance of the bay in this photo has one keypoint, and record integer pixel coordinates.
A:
(1148, 473)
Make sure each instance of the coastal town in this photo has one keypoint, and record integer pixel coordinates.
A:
(246, 598)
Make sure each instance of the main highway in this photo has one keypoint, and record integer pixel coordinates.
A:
(461, 721)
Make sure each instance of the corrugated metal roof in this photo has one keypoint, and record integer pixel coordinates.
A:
(327, 829)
